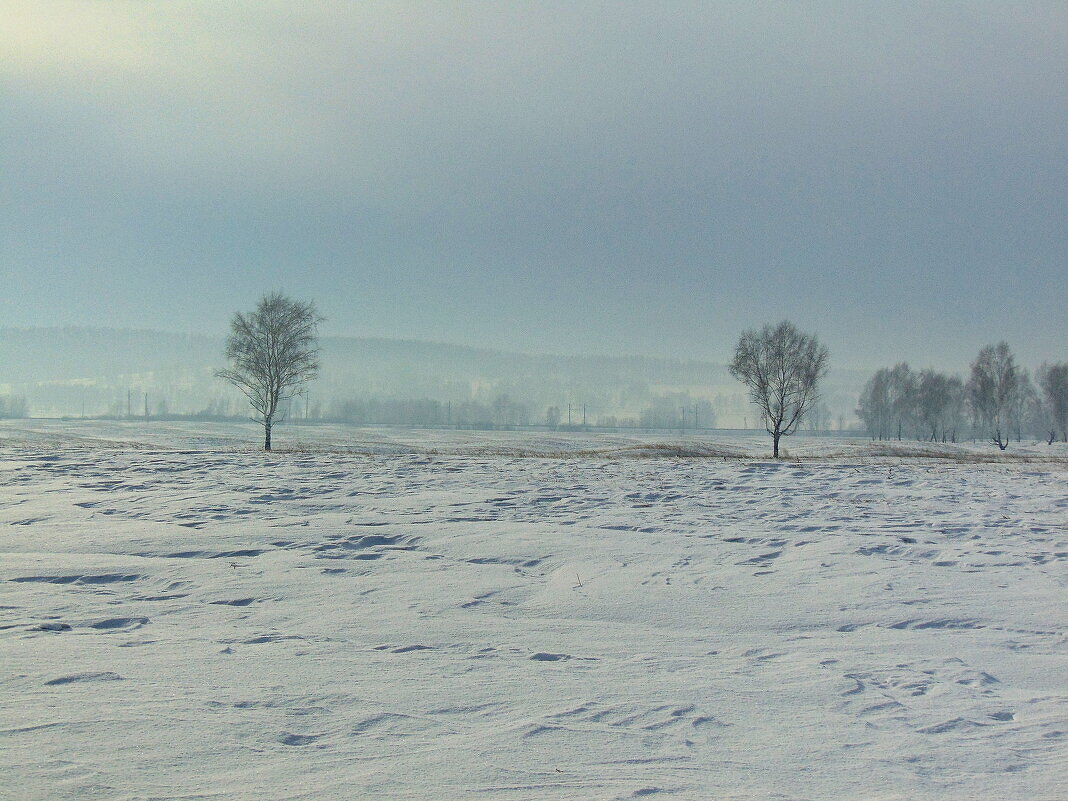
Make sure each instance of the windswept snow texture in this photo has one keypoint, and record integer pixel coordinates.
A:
(211, 623)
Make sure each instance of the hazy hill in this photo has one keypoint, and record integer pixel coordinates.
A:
(98, 370)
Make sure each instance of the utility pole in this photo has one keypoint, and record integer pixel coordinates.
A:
(129, 401)
(146, 405)
(683, 418)
(569, 415)
(584, 415)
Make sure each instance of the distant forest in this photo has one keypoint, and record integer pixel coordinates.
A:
(58, 372)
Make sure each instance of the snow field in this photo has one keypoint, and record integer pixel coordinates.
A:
(226, 624)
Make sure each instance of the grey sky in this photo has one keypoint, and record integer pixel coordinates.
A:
(587, 177)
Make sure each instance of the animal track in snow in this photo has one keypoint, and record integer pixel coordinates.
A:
(84, 677)
(119, 623)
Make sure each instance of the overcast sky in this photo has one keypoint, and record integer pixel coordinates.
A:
(567, 177)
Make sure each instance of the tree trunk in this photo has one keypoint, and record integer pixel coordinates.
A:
(775, 443)
(267, 435)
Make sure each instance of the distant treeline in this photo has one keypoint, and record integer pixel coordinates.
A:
(997, 401)
(676, 410)
(13, 406)
(93, 372)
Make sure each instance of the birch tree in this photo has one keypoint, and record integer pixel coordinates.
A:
(782, 368)
(992, 390)
(873, 406)
(1053, 379)
(273, 351)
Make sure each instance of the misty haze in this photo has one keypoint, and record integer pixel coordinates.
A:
(551, 400)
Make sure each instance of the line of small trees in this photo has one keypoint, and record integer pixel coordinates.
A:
(273, 351)
(998, 401)
(501, 412)
(12, 406)
(675, 411)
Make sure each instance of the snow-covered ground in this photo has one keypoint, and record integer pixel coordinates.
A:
(407, 614)
(55, 434)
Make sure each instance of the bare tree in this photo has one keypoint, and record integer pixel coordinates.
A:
(817, 418)
(1025, 407)
(957, 412)
(272, 352)
(552, 416)
(992, 391)
(936, 398)
(12, 406)
(902, 385)
(873, 406)
(782, 368)
(1053, 379)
